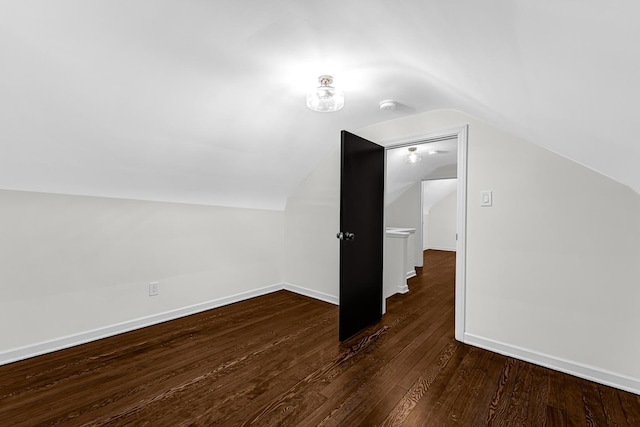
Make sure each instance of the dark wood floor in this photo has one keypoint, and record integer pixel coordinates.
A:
(275, 361)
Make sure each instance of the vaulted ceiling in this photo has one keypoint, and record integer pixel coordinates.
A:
(203, 101)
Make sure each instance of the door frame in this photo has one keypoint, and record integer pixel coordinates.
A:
(461, 134)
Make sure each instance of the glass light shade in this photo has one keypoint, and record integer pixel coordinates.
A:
(414, 156)
(325, 98)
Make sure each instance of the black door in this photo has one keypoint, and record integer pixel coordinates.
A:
(361, 233)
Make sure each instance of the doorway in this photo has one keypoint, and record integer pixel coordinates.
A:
(442, 155)
(439, 213)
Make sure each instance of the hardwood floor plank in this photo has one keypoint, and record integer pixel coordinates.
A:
(592, 401)
(497, 406)
(631, 406)
(347, 402)
(459, 392)
(574, 404)
(275, 361)
(396, 352)
(425, 396)
(612, 406)
(273, 411)
(482, 404)
(467, 408)
(181, 379)
(538, 397)
(391, 352)
(378, 412)
(556, 417)
(556, 413)
(253, 373)
(404, 406)
(516, 413)
(96, 356)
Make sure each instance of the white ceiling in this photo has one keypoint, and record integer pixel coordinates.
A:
(402, 175)
(203, 101)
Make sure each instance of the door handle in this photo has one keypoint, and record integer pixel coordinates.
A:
(345, 235)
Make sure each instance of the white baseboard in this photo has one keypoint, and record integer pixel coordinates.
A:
(403, 289)
(37, 349)
(577, 369)
(332, 299)
(411, 274)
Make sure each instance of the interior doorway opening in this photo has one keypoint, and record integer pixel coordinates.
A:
(439, 212)
(443, 157)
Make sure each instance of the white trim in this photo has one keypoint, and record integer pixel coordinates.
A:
(403, 289)
(441, 248)
(331, 299)
(411, 274)
(397, 234)
(461, 236)
(420, 231)
(577, 369)
(450, 133)
(461, 134)
(49, 346)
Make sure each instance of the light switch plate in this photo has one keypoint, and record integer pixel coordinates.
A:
(154, 289)
(486, 198)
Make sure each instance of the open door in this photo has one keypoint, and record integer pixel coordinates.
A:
(361, 233)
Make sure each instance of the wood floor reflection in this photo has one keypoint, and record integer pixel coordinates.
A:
(275, 361)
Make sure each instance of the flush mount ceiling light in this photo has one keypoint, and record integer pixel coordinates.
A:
(325, 98)
(413, 156)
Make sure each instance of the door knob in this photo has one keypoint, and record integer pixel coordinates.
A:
(345, 235)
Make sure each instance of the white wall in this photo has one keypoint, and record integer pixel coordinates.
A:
(405, 212)
(73, 264)
(553, 266)
(312, 219)
(441, 224)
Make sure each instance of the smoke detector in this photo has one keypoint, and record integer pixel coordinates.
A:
(388, 105)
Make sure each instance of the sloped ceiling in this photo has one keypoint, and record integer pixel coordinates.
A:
(442, 163)
(203, 101)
